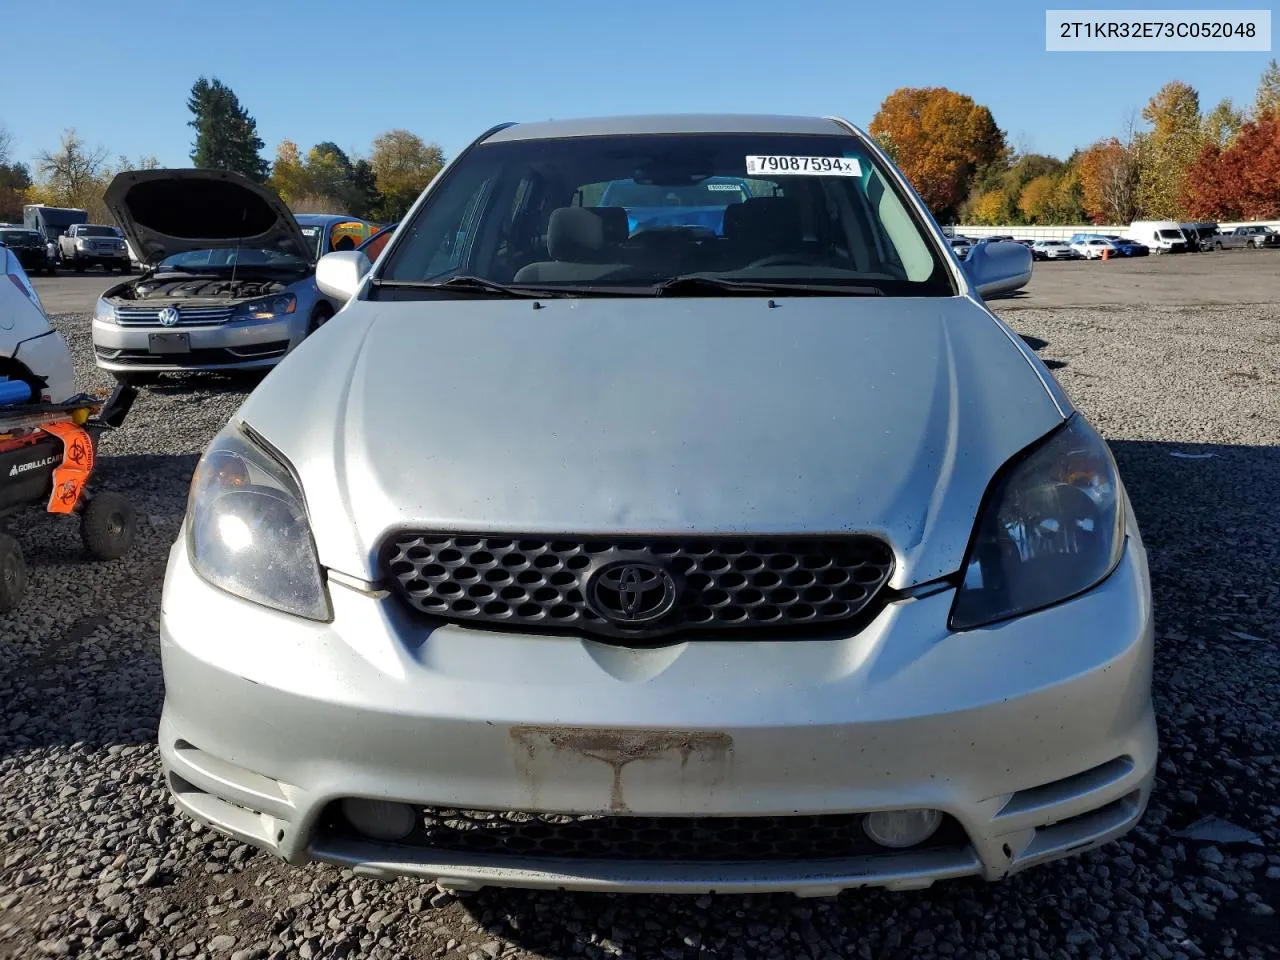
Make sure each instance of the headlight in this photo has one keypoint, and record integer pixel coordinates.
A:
(104, 311)
(80, 242)
(247, 528)
(268, 308)
(1051, 527)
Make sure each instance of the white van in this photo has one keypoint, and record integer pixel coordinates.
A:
(1162, 236)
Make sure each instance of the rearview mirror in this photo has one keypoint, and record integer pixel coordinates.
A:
(340, 274)
(998, 268)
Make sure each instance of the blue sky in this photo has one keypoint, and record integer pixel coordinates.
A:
(313, 70)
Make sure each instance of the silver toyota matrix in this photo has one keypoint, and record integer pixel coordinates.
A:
(665, 510)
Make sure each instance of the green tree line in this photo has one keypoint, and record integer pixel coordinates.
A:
(379, 187)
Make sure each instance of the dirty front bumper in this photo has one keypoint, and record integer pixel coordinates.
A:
(1036, 737)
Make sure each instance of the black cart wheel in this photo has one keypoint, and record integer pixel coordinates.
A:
(13, 573)
(108, 525)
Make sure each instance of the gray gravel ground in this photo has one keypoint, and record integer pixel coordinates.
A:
(94, 863)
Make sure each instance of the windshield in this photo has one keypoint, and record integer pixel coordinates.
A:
(1171, 234)
(20, 236)
(97, 232)
(313, 236)
(230, 257)
(576, 212)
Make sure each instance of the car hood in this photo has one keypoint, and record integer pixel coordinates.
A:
(717, 415)
(165, 212)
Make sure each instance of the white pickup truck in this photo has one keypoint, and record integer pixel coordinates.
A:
(86, 245)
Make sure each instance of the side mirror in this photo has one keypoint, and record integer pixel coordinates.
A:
(998, 268)
(340, 274)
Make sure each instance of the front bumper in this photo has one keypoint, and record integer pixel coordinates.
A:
(32, 258)
(113, 257)
(1037, 736)
(234, 345)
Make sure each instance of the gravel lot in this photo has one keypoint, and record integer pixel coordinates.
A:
(93, 861)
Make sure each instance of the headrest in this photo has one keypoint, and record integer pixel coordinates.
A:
(581, 234)
(773, 219)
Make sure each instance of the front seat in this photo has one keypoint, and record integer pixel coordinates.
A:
(764, 226)
(583, 243)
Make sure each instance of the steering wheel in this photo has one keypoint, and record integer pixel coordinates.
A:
(784, 260)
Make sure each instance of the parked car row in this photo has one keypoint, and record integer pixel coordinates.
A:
(1142, 238)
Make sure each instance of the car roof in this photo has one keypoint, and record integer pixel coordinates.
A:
(320, 219)
(668, 123)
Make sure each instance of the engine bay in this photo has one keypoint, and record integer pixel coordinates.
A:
(200, 287)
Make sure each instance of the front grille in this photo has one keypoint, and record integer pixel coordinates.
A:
(715, 582)
(187, 316)
(654, 839)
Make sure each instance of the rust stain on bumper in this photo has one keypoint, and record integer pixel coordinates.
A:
(618, 748)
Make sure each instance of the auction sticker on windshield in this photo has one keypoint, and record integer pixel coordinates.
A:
(828, 166)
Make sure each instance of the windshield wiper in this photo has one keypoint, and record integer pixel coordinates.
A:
(472, 284)
(695, 283)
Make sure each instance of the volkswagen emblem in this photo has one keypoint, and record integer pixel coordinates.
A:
(169, 317)
(632, 592)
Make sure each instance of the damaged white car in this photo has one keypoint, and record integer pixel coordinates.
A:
(233, 283)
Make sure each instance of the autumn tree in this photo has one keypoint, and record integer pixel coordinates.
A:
(1268, 97)
(1036, 202)
(1221, 125)
(1109, 180)
(1169, 149)
(327, 180)
(402, 164)
(15, 180)
(289, 173)
(941, 139)
(987, 209)
(1068, 197)
(226, 135)
(1241, 182)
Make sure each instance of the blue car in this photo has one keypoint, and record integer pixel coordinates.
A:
(1130, 248)
(697, 205)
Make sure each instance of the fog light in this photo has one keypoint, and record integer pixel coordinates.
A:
(901, 828)
(380, 819)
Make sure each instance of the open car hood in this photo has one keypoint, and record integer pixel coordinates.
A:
(165, 212)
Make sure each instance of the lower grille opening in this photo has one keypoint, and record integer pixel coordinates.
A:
(534, 836)
(197, 357)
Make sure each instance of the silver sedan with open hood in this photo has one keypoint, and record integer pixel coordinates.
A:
(739, 549)
(232, 286)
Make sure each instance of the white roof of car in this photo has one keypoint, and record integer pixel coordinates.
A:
(670, 123)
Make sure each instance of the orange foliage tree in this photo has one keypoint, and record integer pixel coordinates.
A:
(940, 139)
(1241, 182)
(1109, 182)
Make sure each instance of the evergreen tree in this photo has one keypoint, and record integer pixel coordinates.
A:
(226, 135)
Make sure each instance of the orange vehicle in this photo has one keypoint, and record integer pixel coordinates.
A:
(331, 231)
(47, 457)
(373, 247)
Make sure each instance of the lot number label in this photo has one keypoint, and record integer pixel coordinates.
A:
(825, 166)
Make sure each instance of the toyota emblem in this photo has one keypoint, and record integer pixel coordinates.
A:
(169, 317)
(632, 592)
